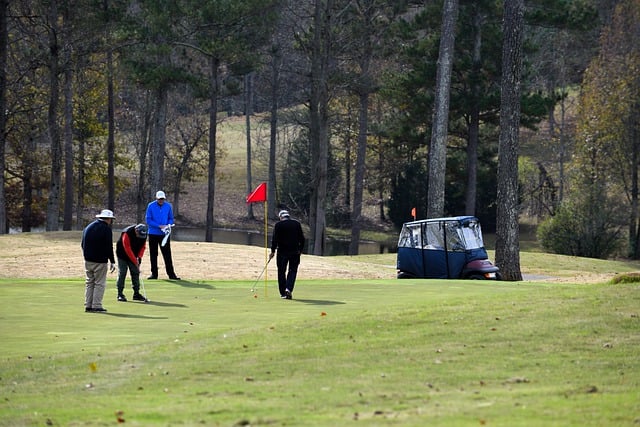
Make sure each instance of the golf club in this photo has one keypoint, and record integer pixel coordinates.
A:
(253, 288)
(144, 292)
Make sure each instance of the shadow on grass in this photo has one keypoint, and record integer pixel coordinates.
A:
(135, 316)
(318, 301)
(188, 284)
(164, 304)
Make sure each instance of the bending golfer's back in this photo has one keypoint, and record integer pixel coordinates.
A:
(288, 240)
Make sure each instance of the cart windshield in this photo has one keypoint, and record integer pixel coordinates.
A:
(454, 234)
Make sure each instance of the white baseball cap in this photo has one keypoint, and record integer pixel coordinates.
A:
(283, 213)
(160, 195)
(106, 213)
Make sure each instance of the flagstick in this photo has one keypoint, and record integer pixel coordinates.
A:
(266, 244)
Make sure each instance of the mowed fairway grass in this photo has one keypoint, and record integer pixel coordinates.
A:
(342, 353)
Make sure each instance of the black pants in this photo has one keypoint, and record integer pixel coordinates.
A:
(287, 280)
(154, 241)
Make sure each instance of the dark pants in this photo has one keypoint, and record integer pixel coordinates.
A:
(154, 242)
(287, 280)
(125, 265)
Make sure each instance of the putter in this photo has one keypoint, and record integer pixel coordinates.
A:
(144, 292)
(253, 288)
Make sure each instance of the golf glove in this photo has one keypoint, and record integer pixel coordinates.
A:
(112, 268)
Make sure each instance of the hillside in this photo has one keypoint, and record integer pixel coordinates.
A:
(230, 208)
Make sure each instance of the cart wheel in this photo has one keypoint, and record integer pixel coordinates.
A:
(405, 275)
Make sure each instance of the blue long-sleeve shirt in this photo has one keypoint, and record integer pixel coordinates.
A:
(159, 215)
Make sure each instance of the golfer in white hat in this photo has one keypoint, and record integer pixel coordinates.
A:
(97, 249)
(160, 220)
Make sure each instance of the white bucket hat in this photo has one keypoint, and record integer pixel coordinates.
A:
(106, 213)
(160, 195)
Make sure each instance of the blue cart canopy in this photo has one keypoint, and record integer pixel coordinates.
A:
(439, 247)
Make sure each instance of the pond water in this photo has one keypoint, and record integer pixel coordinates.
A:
(241, 237)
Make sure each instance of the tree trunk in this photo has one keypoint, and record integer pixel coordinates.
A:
(214, 64)
(53, 202)
(111, 142)
(507, 237)
(29, 165)
(361, 154)
(634, 133)
(273, 134)
(67, 221)
(248, 111)
(439, 131)
(474, 119)
(4, 6)
(80, 203)
(319, 122)
(159, 140)
(142, 198)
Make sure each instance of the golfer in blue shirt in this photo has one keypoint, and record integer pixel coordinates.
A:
(159, 221)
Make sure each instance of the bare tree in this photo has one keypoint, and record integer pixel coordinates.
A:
(438, 146)
(507, 232)
(53, 202)
(67, 24)
(4, 7)
(319, 123)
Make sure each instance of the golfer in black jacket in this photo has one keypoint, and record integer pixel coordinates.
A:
(97, 250)
(288, 239)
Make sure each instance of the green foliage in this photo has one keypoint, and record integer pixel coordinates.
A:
(608, 145)
(570, 14)
(632, 277)
(586, 229)
(408, 191)
(295, 184)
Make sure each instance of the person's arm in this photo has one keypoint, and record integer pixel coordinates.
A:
(110, 240)
(300, 239)
(126, 244)
(150, 217)
(274, 241)
(141, 251)
(170, 220)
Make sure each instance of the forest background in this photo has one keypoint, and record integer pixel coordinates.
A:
(107, 101)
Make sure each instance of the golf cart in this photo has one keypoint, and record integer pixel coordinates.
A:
(444, 248)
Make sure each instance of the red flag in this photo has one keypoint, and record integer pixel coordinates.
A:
(259, 194)
(413, 213)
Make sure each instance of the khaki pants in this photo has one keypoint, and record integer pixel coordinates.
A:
(95, 284)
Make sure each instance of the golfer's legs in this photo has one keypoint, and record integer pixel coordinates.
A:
(154, 242)
(135, 277)
(96, 284)
(166, 256)
(281, 262)
(123, 266)
(88, 283)
(294, 262)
